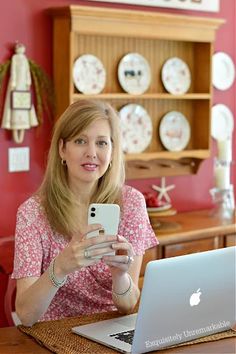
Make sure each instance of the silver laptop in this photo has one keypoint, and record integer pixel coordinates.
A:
(183, 298)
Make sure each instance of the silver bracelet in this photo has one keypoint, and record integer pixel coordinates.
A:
(126, 291)
(55, 282)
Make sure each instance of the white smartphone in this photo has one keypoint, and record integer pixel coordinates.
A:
(108, 215)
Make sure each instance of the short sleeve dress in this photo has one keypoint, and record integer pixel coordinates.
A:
(87, 290)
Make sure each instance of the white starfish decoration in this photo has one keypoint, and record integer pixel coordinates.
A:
(163, 189)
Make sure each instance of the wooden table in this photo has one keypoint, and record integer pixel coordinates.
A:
(14, 341)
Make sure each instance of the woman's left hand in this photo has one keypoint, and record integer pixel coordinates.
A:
(121, 261)
(125, 275)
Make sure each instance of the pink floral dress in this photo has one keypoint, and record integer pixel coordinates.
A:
(87, 290)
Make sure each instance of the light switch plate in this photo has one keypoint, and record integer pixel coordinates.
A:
(18, 159)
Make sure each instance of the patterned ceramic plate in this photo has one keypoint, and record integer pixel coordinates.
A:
(134, 73)
(223, 71)
(174, 131)
(89, 74)
(222, 122)
(136, 128)
(176, 76)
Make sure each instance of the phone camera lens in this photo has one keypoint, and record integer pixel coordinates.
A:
(92, 214)
(93, 209)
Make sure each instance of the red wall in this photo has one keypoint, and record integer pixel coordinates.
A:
(27, 21)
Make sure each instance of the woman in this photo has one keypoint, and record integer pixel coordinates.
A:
(55, 277)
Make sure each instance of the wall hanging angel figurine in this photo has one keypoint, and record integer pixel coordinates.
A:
(19, 112)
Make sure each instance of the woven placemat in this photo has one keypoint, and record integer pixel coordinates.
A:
(58, 337)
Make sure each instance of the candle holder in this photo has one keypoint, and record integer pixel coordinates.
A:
(223, 193)
(224, 202)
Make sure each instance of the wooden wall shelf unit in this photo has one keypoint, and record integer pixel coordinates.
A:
(198, 231)
(109, 34)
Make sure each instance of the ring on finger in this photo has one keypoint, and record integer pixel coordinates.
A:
(130, 260)
(86, 254)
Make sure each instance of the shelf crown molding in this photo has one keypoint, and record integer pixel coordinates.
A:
(126, 23)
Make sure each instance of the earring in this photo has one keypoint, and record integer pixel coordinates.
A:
(63, 162)
(110, 164)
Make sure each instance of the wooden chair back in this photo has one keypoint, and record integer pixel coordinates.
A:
(6, 267)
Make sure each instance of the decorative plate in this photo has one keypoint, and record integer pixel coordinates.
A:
(89, 74)
(223, 71)
(222, 122)
(160, 208)
(174, 131)
(176, 76)
(134, 73)
(136, 128)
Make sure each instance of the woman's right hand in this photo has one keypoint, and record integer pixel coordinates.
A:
(77, 253)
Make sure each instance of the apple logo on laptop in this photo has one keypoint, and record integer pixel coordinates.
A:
(195, 298)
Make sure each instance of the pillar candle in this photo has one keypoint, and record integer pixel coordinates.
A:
(222, 176)
(225, 150)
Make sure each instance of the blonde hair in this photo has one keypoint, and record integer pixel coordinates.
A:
(57, 199)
